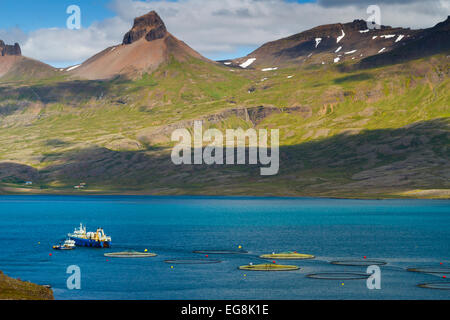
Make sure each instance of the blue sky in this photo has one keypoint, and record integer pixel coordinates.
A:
(219, 29)
(36, 14)
(29, 15)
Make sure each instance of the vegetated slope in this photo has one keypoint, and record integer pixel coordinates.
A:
(14, 289)
(144, 48)
(336, 43)
(377, 132)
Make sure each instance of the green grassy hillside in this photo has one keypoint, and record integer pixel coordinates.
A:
(380, 132)
(15, 289)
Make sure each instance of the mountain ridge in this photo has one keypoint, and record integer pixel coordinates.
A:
(335, 43)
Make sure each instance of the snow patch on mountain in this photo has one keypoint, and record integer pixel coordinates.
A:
(340, 37)
(73, 67)
(269, 69)
(318, 41)
(400, 37)
(247, 63)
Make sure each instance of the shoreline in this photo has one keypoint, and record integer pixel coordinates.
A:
(194, 195)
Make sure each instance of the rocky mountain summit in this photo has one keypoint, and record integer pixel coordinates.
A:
(149, 26)
(10, 50)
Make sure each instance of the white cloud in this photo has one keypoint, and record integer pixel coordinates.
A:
(59, 45)
(218, 26)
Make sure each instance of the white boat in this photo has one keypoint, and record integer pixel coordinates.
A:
(67, 245)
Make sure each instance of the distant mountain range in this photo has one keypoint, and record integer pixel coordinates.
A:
(148, 44)
(361, 113)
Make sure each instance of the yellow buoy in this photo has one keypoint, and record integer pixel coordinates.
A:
(287, 256)
(269, 267)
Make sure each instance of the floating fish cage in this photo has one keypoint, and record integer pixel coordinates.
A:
(268, 267)
(220, 251)
(338, 276)
(287, 256)
(130, 254)
(192, 261)
(432, 269)
(359, 263)
(443, 285)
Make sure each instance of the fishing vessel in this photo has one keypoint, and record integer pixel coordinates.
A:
(97, 239)
(67, 245)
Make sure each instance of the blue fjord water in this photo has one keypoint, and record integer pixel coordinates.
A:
(404, 233)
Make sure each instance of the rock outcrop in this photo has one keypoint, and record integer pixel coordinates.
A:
(149, 26)
(9, 50)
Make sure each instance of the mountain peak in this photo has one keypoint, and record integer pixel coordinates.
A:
(149, 26)
(9, 50)
(444, 25)
(144, 48)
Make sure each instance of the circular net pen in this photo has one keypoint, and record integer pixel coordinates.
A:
(359, 263)
(432, 269)
(220, 251)
(444, 285)
(130, 254)
(338, 276)
(268, 267)
(192, 261)
(287, 256)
